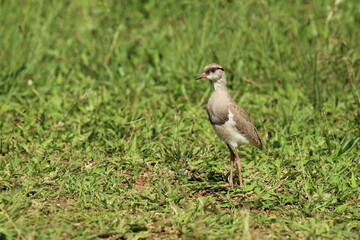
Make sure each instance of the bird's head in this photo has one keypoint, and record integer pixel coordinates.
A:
(213, 71)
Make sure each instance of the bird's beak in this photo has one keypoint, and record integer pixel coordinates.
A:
(203, 75)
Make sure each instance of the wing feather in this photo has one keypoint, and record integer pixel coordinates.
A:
(245, 126)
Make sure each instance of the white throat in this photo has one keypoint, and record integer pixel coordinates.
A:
(220, 84)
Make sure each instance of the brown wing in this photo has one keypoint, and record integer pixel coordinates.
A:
(245, 126)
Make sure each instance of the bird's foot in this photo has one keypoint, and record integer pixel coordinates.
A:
(241, 185)
(231, 183)
(227, 185)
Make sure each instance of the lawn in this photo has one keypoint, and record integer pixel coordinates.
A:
(104, 132)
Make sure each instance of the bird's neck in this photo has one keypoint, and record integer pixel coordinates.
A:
(220, 85)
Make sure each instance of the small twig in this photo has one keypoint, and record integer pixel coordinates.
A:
(112, 46)
(333, 11)
(30, 84)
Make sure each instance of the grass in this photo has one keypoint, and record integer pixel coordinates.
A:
(104, 132)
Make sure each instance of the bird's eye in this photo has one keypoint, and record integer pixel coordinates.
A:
(213, 70)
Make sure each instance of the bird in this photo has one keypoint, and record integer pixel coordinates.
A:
(229, 121)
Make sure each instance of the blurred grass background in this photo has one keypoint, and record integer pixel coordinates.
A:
(104, 132)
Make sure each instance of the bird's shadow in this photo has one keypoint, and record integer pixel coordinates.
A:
(216, 182)
(209, 177)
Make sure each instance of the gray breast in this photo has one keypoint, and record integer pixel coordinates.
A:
(216, 119)
(217, 109)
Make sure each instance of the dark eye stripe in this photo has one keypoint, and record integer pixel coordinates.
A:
(213, 70)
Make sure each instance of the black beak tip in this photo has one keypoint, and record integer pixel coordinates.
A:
(203, 75)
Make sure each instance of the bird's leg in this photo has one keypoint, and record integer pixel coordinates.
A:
(232, 160)
(238, 165)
